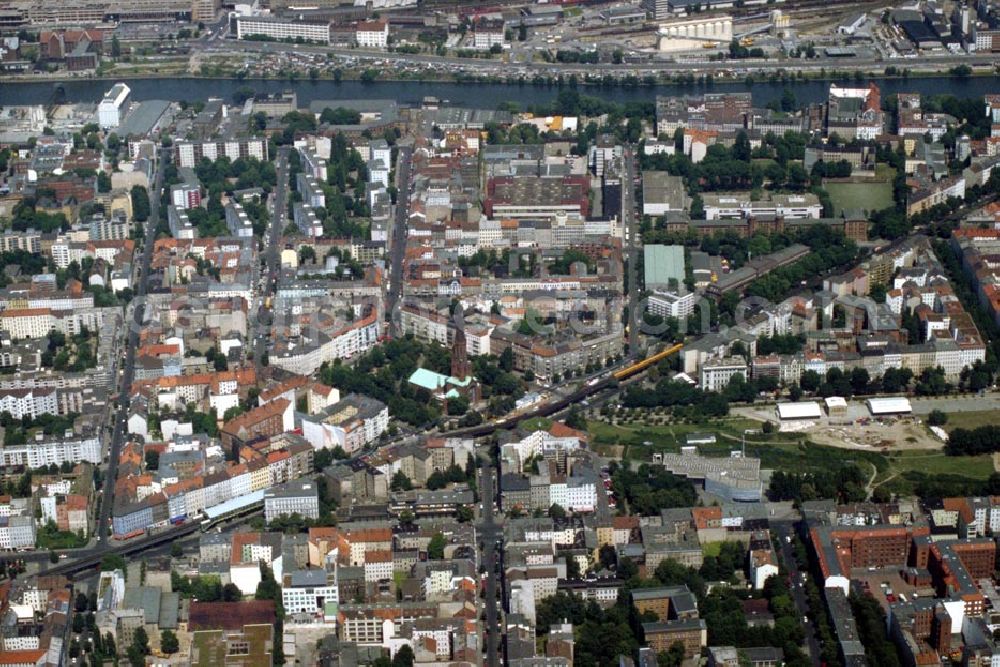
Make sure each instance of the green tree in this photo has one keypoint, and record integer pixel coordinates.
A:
(458, 406)
(810, 380)
(607, 557)
(168, 642)
(575, 419)
(697, 207)
(231, 593)
(233, 412)
(112, 562)
(556, 511)
(268, 588)
(404, 657)
(506, 361)
(435, 548)
(937, 418)
(673, 657)
(139, 648)
(140, 203)
(437, 480)
(307, 254)
(400, 482)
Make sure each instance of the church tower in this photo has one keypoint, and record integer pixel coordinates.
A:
(459, 352)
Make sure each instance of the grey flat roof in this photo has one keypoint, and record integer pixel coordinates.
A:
(663, 263)
(146, 598)
(678, 624)
(169, 608)
(296, 488)
(660, 187)
(142, 118)
(309, 578)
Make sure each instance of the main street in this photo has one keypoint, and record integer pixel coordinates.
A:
(785, 532)
(272, 264)
(631, 249)
(397, 243)
(490, 533)
(128, 370)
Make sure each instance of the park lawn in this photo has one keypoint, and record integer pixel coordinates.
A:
(972, 419)
(923, 461)
(777, 451)
(49, 537)
(536, 424)
(868, 196)
(665, 438)
(711, 549)
(884, 172)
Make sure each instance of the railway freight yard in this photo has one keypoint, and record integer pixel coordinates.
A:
(648, 42)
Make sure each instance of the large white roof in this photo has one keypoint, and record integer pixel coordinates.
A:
(801, 410)
(889, 406)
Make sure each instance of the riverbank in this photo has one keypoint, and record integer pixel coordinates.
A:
(590, 81)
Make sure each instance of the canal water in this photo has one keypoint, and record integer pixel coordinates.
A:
(476, 95)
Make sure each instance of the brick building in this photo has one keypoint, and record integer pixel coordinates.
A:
(263, 422)
(691, 632)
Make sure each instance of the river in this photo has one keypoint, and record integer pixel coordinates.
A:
(477, 95)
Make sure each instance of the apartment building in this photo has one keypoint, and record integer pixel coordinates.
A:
(372, 34)
(294, 30)
(310, 591)
(23, 323)
(17, 532)
(31, 403)
(351, 424)
(190, 153)
(44, 451)
(296, 497)
(716, 374)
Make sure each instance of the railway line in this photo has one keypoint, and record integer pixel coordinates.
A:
(614, 379)
(87, 559)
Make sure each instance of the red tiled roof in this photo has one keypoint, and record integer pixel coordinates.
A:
(27, 657)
